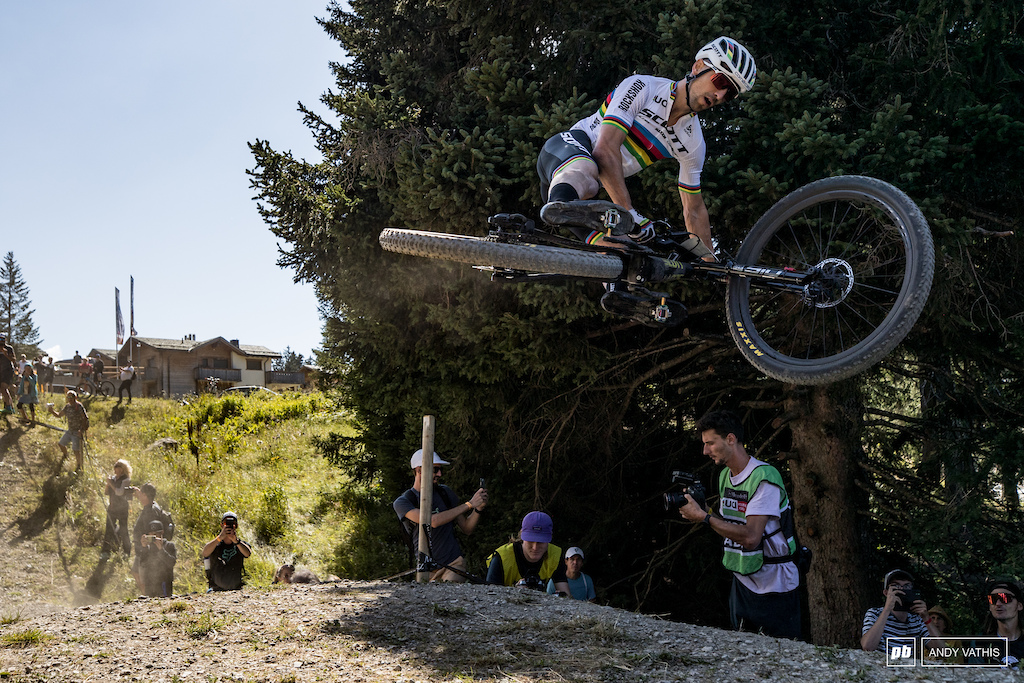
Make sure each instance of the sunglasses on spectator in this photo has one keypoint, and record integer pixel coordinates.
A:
(437, 469)
(722, 82)
(996, 598)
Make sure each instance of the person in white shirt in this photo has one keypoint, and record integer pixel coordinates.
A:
(126, 375)
(755, 521)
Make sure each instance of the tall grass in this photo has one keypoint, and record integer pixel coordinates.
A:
(252, 455)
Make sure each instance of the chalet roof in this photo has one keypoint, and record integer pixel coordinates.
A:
(189, 345)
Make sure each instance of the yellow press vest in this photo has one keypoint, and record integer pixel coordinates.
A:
(511, 568)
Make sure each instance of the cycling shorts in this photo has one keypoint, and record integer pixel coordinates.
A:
(558, 151)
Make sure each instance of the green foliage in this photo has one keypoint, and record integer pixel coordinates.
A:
(437, 122)
(272, 520)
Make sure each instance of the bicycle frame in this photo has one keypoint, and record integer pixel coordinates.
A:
(646, 268)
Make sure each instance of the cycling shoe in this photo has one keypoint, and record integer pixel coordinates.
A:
(648, 308)
(593, 214)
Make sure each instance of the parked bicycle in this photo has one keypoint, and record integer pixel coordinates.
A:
(828, 281)
(90, 387)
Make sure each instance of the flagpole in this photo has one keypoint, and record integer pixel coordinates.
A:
(131, 324)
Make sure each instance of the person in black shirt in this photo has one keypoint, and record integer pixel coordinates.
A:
(156, 562)
(224, 556)
(1003, 619)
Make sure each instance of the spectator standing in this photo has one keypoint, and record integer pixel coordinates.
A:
(581, 586)
(446, 514)
(127, 374)
(755, 521)
(7, 375)
(157, 557)
(1004, 619)
(531, 560)
(97, 368)
(78, 425)
(224, 556)
(44, 372)
(28, 394)
(150, 512)
(119, 490)
(904, 615)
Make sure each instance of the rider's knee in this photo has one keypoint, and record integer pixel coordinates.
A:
(583, 179)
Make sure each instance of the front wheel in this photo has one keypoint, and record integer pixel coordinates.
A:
(84, 389)
(105, 388)
(481, 251)
(873, 249)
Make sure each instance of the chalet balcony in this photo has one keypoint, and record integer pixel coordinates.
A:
(223, 374)
(278, 377)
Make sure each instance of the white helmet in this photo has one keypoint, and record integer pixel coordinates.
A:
(730, 59)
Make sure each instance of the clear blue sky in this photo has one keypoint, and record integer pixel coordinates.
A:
(123, 131)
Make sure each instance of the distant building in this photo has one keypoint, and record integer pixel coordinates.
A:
(175, 367)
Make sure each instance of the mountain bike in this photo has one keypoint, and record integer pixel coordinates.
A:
(90, 387)
(826, 283)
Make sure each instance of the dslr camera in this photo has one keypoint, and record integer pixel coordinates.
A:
(691, 484)
(532, 582)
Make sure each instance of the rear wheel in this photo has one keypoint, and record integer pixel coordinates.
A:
(84, 389)
(481, 251)
(105, 388)
(874, 250)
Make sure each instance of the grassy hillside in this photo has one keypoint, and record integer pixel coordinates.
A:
(251, 455)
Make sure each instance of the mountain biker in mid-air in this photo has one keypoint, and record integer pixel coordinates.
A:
(645, 119)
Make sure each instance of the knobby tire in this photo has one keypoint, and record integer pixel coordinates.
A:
(879, 243)
(482, 251)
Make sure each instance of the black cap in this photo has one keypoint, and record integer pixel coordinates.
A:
(897, 574)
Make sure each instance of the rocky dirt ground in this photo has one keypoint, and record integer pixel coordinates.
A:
(361, 631)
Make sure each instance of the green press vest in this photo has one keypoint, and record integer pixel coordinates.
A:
(733, 509)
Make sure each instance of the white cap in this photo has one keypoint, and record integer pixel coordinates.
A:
(573, 551)
(417, 459)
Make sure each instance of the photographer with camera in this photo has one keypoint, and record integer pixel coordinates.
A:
(904, 615)
(157, 558)
(755, 522)
(150, 512)
(224, 556)
(532, 560)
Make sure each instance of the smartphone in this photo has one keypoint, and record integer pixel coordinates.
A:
(483, 483)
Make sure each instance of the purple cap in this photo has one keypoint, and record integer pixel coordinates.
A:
(536, 528)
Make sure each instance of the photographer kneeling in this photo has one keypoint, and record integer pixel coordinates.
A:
(532, 560)
(224, 556)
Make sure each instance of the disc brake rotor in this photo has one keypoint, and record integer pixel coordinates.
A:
(833, 285)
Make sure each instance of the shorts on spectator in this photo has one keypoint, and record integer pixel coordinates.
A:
(71, 439)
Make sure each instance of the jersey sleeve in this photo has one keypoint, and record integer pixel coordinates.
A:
(625, 102)
(691, 163)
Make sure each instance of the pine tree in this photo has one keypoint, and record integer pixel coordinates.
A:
(438, 120)
(15, 311)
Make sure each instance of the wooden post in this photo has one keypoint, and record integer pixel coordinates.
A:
(426, 490)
